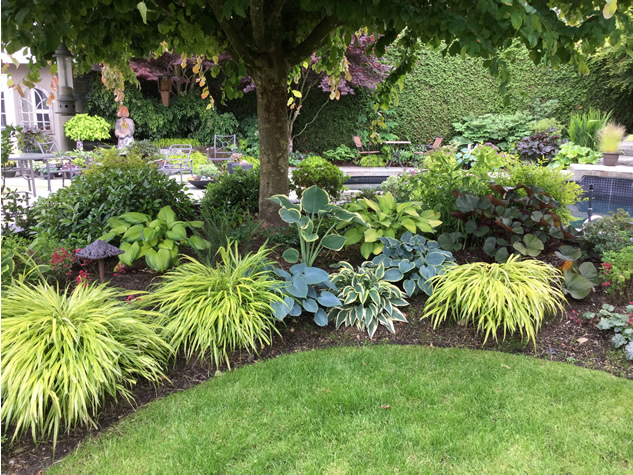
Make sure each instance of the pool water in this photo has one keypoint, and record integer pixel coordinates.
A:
(609, 194)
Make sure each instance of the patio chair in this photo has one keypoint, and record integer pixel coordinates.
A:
(51, 147)
(223, 148)
(360, 148)
(436, 143)
(177, 160)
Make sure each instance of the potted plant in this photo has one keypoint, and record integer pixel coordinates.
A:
(609, 139)
(28, 139)
(87, 127)
(238, 163)
(43, 169)
(203, 175)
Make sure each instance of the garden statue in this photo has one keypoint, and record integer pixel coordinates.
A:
(124, 130)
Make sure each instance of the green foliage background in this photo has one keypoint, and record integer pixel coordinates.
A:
(439, 91)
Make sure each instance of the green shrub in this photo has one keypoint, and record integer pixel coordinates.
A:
(318, 171)
(213, 311)
(502, 130)
(546, 125)
(617, 272)
(77, 215)
(222, 226)
(513, 296)
(207, 170)
(620, 323)
(165, 143)
(611, 233)
(86, 127)
(146, 149)
(555, 182)
(157, 240)
(237, 190)
(584, 127)
(63, 354)
(342, 153)
(571, 153)
(199, 159)
(368, 299)
(375, 160)
(386, 218)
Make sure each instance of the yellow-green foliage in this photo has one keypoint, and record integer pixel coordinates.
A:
(555, 182)
(63, 353)
(212, 311)
(610, 136)
(513, 296)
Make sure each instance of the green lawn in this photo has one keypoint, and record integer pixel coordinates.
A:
(379, 409)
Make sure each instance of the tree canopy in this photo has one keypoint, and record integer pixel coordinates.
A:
(268, 39)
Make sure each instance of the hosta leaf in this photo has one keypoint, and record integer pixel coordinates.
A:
(314, 275)
(576, 285)
(291, 255)
(134, 218)
(134, 233)
(167, 214)
(313, 199)
(406, 266)
(310, 305)
(333, 242)
(177, 232)
(328, 299)
(409, 287)
(198, 243)
(393, 275)
(289, 215)
(295, 311)
(321, 318)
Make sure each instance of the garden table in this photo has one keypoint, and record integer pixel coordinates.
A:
(396, 151)
(25, 166)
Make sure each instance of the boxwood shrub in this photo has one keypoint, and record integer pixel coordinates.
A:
(76, 215)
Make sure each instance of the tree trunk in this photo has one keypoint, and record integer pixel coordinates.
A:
(272, 117)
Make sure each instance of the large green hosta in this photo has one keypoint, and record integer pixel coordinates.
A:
(387, 218)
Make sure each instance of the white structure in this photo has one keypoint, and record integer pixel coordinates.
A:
(31, 110)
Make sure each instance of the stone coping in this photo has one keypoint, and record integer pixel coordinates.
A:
(618, 171)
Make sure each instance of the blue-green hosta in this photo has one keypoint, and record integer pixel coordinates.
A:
(157, 240)
(386, 218)
(306, 289)
(368, 299)
(308, 217)
(64, 353)
(413, 260)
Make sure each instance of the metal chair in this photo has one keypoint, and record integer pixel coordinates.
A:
(177, 160)
(51, 147)
(223, 148)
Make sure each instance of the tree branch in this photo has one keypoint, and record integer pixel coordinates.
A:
(237, 47)
(312, 42)
(313, 119)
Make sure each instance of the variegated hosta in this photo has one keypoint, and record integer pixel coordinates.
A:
(308, 217)
(387, 218)
(368, 299)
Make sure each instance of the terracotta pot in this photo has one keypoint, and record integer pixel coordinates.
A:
(610, 159)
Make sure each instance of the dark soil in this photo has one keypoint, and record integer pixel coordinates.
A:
(560, 339)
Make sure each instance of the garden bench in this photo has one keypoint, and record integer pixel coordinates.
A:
(177, 160)
(223, 148)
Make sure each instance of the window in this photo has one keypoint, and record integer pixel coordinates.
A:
(3, 114)
(35, 111)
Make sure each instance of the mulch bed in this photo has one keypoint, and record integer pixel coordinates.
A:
(560, 339)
